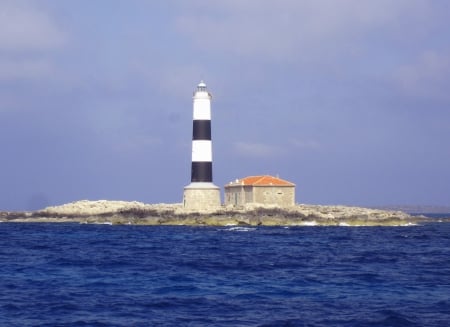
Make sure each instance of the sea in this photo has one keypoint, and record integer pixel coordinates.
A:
(66, 274)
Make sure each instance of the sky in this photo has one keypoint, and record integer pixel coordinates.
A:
(348, 99)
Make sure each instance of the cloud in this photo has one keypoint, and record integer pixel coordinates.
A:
(24, 68)
(264, 150)
(300, 31)
(25, 28)
(249, 149)
(305, 144)
(28, 39)
(427, 76)
(136, 144)
(175, 81)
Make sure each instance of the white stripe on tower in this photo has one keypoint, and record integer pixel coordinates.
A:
(201, 151)
(201, 136)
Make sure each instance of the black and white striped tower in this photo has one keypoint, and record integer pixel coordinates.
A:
(201, 193)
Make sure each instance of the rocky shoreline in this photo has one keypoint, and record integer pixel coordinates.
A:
(137, 213)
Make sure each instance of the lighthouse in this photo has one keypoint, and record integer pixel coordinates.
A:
(201, 193)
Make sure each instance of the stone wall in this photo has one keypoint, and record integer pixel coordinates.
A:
(235, 196)
(201, 198)
(282, 196)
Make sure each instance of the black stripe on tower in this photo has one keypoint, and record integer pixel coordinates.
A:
(201, 130)
(201, 172)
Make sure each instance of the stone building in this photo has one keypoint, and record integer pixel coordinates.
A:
(263, 189)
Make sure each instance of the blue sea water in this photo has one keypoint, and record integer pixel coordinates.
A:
(101, 275)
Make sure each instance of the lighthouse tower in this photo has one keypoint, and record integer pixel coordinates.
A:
(201, 193)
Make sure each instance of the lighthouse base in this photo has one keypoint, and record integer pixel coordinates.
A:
(201, 196)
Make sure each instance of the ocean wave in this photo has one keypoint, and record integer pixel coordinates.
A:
(241, 229)
(309, 223)
(93, 275)
(408, 224)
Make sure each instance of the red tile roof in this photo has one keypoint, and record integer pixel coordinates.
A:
(263, 180)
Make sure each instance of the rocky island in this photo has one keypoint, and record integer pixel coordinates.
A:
(137, 213)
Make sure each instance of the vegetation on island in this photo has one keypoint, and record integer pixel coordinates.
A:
(135, 213)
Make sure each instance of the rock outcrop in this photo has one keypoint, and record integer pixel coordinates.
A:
(122, 212)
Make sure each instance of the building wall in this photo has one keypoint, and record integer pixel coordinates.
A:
(248, 194)
(201, 198)
(238, 195)
(234, 195)
(283, 196)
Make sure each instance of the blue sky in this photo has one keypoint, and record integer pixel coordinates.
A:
(349, 99)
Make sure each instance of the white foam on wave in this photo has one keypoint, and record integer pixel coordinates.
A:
(96, 223)
(342, 224)
(241, 229)
(408, 224)
(309, 223)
